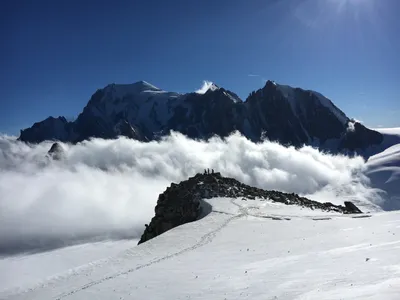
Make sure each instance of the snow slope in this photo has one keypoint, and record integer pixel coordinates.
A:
(289, 93)
(392, 131)
(383, 169)
(243, 249)
(32, 269)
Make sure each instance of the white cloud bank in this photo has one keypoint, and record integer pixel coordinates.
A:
(108, 188)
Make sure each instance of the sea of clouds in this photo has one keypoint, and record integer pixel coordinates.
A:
(107, 189)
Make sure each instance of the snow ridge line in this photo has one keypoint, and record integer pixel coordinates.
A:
(205, 239)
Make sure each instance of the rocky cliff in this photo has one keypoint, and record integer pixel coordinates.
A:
(182, 203)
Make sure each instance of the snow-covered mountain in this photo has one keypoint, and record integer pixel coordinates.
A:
(144, 112)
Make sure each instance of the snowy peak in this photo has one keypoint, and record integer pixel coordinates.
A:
(270, 82)
(291, 116)
(121, 90)
(209, 87)
(213, 87)
(296, 116)
(139, 86)
(295, 97)
(224, 93)
(206, 87)
(48, 129)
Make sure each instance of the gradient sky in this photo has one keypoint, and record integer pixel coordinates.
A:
(55, 54)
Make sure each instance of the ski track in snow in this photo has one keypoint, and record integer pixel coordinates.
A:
(73, 278)
(205, 239)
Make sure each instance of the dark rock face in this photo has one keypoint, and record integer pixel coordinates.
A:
(124, 128)
(182, 203)
(295, 116)
(50, 129)
(360, 138)
(291, 116)
(352, 208)
(204, 115)
(56, 151)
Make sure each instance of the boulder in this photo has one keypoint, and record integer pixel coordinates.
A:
(352, 208)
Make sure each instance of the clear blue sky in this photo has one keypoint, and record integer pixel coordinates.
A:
(55, 54)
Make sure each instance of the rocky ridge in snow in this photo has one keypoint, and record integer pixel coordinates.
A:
(182, 203)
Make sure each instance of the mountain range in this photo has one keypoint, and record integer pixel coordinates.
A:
(141, 111)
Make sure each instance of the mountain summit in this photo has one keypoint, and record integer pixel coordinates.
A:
(141, 111)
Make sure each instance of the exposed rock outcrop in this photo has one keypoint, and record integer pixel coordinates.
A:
(182, 203)
(50, 129)
(351, 208)
(56, 151)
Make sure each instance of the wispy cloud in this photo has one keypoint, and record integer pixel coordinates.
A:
(253, 75)
(351, 127)
(204, 88)
(358, 120)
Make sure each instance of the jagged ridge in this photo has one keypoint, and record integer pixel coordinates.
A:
(141, 111)
(182, 203)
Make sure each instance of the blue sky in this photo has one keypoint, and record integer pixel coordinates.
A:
(55, 54)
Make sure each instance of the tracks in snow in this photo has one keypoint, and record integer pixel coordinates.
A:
(205, 239)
